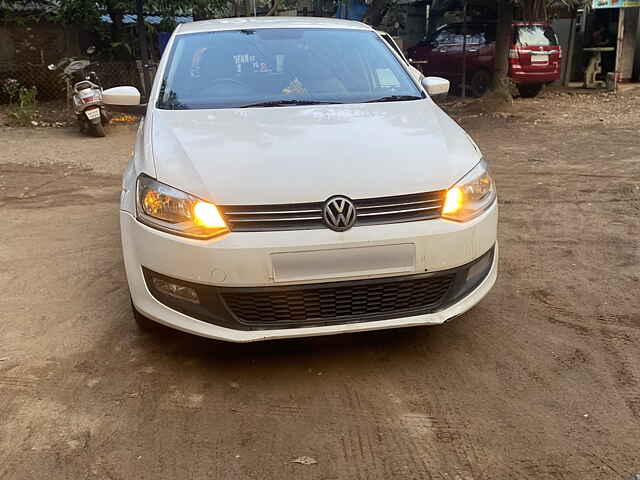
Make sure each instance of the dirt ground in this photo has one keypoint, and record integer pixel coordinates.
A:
(541, 380)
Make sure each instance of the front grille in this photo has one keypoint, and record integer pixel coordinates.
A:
(341, 302)
(305, 216)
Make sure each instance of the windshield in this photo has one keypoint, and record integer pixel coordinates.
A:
(273, 67)
(535, 35)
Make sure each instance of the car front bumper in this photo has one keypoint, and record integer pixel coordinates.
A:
(243, 262)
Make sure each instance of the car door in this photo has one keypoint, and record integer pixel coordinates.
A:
(419, 56)
(446, 53)
(478, 50)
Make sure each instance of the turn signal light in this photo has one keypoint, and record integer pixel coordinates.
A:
(452, 201)
(207, 215)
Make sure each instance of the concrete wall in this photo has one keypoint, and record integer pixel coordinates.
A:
(406, 21)
(562, 28)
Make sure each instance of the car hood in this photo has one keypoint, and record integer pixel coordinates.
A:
(309, 153)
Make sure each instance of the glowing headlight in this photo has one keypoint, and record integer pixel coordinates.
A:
(174, 211)
(470, 196)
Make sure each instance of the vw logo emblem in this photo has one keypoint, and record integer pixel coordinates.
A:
(339, 213)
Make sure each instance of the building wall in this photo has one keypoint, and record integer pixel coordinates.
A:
(629, 42)
(562, 27)
(406, 22)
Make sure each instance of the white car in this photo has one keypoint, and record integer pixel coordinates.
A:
(291, 178)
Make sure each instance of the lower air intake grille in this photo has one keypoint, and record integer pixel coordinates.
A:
(342, 302)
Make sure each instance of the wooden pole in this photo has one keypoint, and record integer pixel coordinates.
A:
(142, 38)
(464, 50)
(617, 76)
(568, 64)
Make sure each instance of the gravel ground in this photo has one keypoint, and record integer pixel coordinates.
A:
(541, 380)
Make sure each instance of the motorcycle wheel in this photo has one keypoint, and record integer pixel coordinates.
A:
(97, 129)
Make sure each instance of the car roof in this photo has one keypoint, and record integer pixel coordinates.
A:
(243, 23)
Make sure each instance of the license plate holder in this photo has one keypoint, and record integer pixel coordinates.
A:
(92, 113)
(540, 59)
(344, 262)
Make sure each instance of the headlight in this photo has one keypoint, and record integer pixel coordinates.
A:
(470, 196)
(174, 211)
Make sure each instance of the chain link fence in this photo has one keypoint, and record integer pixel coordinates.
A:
(51, 86)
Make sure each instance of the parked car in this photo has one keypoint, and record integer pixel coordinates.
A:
(291, 178)
(534, 57)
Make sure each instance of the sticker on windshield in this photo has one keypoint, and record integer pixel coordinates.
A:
(294, 87)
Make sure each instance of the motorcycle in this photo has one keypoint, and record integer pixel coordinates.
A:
(86, 94)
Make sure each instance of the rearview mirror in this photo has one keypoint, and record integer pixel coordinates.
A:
(435, 85)
(124, 99)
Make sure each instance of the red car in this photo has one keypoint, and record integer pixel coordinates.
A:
(534, 57)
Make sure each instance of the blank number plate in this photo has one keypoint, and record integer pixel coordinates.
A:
(92, 113)
(344, 262)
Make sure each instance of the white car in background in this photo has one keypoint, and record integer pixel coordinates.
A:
(292, 178)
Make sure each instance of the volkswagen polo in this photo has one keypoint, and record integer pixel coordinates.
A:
(291, 178)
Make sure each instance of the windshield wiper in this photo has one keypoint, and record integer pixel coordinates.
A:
(284, 103)
(394, 98)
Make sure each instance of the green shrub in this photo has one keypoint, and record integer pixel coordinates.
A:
(22, 102)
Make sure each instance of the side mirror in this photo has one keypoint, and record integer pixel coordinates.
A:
(51, 67)
(435, 85)
(121, 96)
(124, 99)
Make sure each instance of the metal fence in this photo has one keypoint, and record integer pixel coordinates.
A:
(51, 86)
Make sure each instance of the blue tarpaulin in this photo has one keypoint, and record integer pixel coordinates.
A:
(351, 10)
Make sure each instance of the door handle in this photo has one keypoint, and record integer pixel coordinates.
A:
(473, 50)
(443, 50)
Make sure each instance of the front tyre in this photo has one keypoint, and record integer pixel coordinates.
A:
(529, 90)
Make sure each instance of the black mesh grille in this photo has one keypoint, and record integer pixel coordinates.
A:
(337, 302)
(304, 216)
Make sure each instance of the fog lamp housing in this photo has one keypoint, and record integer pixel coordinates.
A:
(479, 270)
(180, 292)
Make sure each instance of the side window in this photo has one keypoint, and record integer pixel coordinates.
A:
(476, 35)
(448, 36)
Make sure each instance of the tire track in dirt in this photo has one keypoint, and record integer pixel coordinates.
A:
(429, 444)
(18, 383)
(38, 187)
(620, 344)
